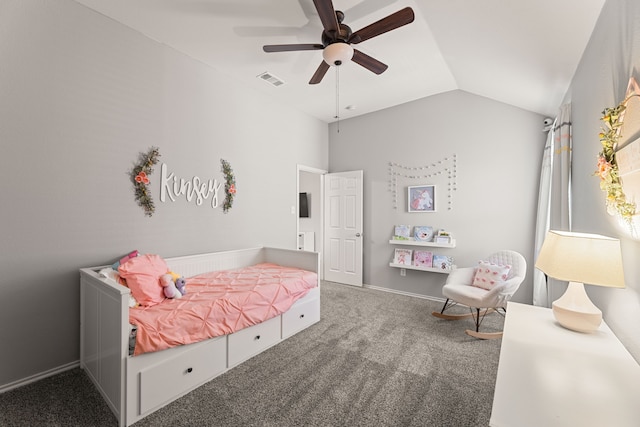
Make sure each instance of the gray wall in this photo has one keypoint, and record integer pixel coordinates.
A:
(80, 97)
(498, 150)
(610, 59)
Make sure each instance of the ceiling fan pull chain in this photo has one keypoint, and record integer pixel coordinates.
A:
(338, 96)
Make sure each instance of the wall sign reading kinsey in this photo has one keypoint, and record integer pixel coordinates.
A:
(192, 189)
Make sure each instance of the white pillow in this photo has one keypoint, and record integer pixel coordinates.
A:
(111, 274)
(489, 274)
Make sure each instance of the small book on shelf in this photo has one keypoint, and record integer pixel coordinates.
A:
(443, 239)
(443, 236)
(422, 233)
(442, 262)
(402, 256)
(423, 259)
(402, 232)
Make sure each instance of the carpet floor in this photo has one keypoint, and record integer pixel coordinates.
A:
(374, 359)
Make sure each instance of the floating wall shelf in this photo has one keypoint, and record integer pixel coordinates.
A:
(451, 244)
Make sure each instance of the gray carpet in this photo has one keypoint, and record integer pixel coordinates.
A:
(375, 359)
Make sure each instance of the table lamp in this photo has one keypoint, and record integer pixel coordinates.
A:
(580, 258)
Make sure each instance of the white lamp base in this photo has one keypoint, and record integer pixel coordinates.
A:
(574, 310)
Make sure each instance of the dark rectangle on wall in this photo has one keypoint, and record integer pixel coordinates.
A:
(304, 205)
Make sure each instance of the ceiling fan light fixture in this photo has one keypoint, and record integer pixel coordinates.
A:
(337, 53)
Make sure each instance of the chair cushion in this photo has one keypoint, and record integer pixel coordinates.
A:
(489, 274)
(469, 295)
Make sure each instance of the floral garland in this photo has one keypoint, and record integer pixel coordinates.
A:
(608, 167)
(140, 178)
(229, 185)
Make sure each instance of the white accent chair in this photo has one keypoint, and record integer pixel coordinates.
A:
(458, 289)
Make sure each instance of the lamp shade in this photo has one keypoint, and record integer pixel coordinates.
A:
(581, 257)
(337, 53)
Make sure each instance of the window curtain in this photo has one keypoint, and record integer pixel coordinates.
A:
(554, 198)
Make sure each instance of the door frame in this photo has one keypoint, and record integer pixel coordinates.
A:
(320, 238)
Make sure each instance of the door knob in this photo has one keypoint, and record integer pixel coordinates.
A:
(358, 234)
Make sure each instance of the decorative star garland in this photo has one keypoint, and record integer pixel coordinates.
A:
(607, 165)
(140, 178)
(448, 165)
(229, 185)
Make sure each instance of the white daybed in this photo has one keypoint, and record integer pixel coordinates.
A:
(135, 386)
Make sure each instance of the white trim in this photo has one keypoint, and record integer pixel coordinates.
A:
(408, 294)
(37, 377)
(320, 237)
(311, 169)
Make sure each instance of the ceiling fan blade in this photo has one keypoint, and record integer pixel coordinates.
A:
(327, 15)
(395, 20)
(368, 62)
(319, 74)
(291, 47)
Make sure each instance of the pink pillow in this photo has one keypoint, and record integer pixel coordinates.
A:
(143, 278)
(489, 274)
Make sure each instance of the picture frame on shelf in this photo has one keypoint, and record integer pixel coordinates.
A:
(442, 262)
(402, 232)
(423, 259)
(402, 256)
(423, 233)
(421, 198)
(442, 239)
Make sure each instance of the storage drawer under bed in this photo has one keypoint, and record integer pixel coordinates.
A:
(252, 340)
(303, 313)
(161, 382)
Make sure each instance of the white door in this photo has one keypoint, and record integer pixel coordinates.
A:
(343, 227)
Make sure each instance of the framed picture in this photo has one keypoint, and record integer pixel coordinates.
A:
(421, 198)
(402, 256)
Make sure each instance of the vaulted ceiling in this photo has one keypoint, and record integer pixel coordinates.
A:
(519, 52)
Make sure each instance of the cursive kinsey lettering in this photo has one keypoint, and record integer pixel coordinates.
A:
(173, 187)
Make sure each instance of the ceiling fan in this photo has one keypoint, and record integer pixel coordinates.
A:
(337, 39)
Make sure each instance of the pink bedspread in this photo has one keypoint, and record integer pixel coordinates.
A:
(220, 303)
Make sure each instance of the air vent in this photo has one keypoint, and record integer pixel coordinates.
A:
(271, 79)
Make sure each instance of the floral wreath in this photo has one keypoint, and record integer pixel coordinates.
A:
(140, 178)
(608, 169)
(607, 165)
(229, 185)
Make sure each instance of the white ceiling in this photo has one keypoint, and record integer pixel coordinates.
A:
(519, 52)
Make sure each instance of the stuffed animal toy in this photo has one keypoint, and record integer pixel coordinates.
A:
(181, 284)
(169, 288)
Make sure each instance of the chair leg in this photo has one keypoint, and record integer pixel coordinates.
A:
(478, 318)
(450, 303)
(444, 307)
(442, 315)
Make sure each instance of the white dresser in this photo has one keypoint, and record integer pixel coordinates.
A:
(551, 376)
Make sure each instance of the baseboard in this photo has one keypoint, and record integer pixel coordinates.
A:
(408, 294)
(40, 376)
